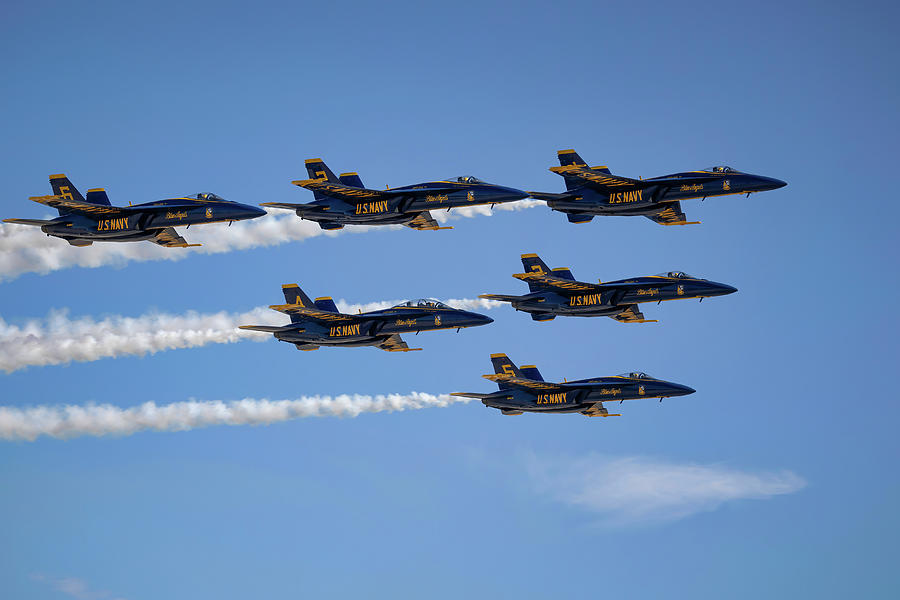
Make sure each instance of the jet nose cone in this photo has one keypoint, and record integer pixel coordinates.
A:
(770, 183)
(481, 319)
(683, 390)
(511, 194)
(723, 289)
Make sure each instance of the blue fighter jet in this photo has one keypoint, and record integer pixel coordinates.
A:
(556, 293)
(594, 191)
(320, 323)
(524, 390)
(85, 220)
(343, 200)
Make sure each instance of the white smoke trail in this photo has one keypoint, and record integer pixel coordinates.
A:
(68, 421)
(58, 339)
(25, 249)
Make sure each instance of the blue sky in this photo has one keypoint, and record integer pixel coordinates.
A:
(776, 478)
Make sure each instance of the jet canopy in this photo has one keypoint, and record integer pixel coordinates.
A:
(636, 375)
(676, 275)
(423, 303)
(206, 196)
(466, 179)
(721, 169)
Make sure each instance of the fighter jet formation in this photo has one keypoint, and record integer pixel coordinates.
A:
(343, 200)
(85, 220)
(524, 390)
(556, 293)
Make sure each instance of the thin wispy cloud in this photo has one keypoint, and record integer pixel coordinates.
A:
(75, 588)
(631, 490)
(68, 421)
(60, 339)
(25, 249)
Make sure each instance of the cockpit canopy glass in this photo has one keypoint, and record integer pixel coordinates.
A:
(721, 169)
(467, 179)
(206, 196)
(676, 275)
(423, 303)
(636, 375)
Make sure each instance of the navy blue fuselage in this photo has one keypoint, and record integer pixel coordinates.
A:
(524, 390)
(343, 200)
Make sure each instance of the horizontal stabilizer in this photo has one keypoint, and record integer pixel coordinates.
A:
(269, 328)
(500, 297)
(551, 196)
(472, 395)
(35, 222)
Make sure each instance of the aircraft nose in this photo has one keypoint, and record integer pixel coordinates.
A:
(512, 194)
(770, 183)
(722, 289)
(682, 390)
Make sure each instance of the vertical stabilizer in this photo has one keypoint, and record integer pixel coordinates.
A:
(317, 169)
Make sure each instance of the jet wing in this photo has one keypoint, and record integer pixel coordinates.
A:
(632, 315)
(598, 410)
(313, 313)
(556, 282)
(169, 238)
(396, 344)
(76, 206)
(424, 221)
(599, 179)
(671, 215)
(338, 190)
(530, 385)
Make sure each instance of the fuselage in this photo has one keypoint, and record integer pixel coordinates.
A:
(143, 221)
(578, 396)
(653, 288)
(649, 199)
(403, 204)
(376, 326)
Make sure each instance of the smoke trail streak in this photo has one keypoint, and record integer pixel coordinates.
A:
(28, 250)
(57, 339)
(68, 421)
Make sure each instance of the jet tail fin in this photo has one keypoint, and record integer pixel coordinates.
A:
(570, 157)
(504, 366)
(327, 304)
(97, 196)
(534, 264)
(531, 372)
(351, 179)
(317, 169)
(294, 295)
(63, 188)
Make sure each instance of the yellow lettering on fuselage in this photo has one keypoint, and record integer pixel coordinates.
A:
(586, 300)
(370, 208)
(112, 224)
(623, 197)
(344, 330)
(551, 398)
